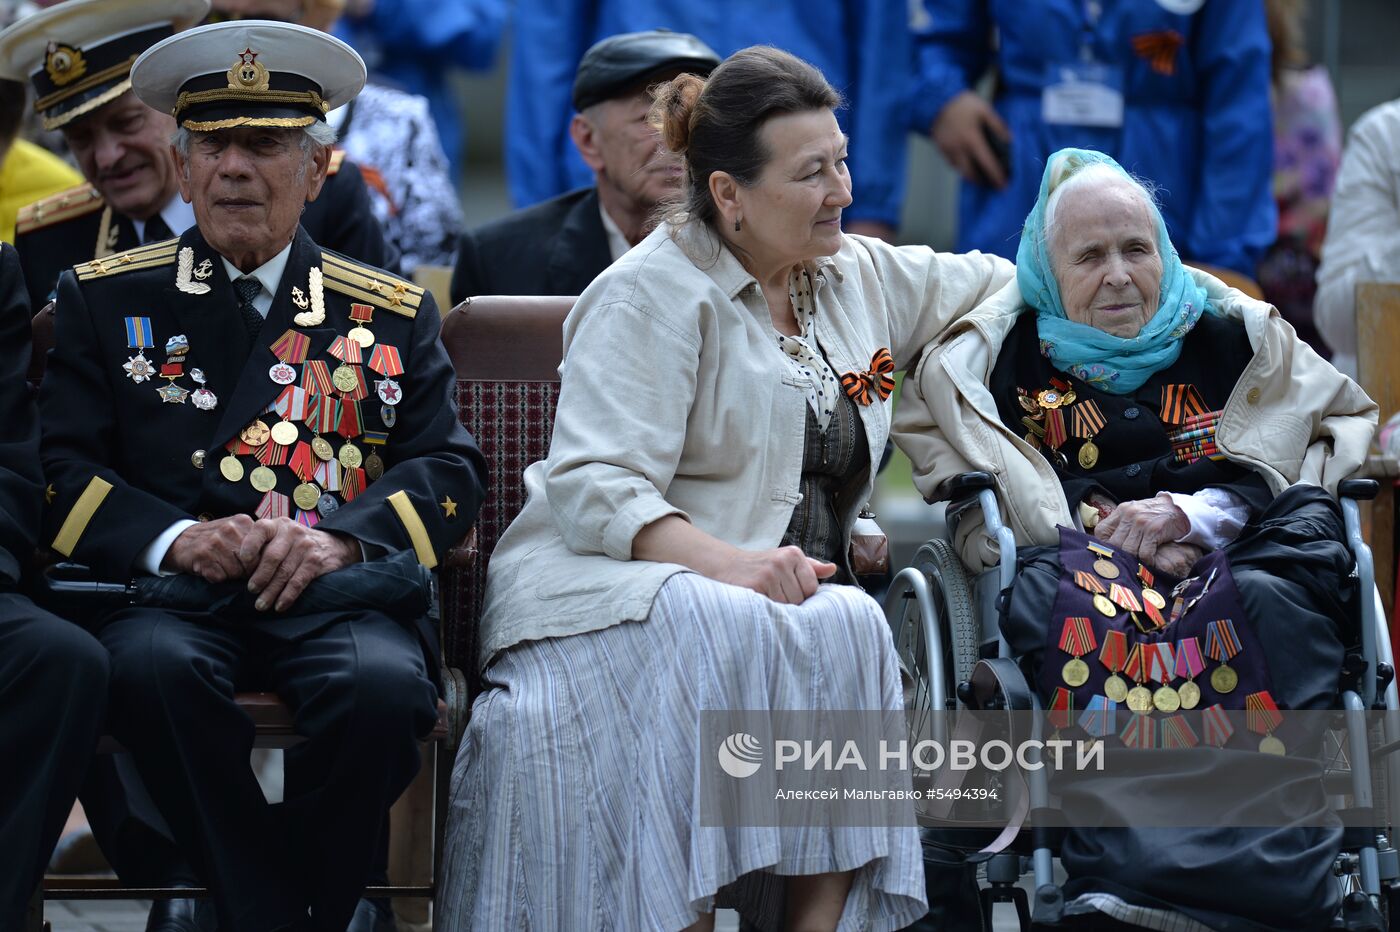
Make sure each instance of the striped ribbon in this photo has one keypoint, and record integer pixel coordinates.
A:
(352, 482)
(1178, 733)
(376, 438)
(1154, 613)
(327, 475)
(1261, 713)
(1086, 580)
(272, 454)
(362, 313)
(1055, 433)
(1077, 637)
(1188, 658)
(274, 505)
(1100, 717)
(138, 332)
(1115, 650)
(316, 377)
(1221, 641)
(1061, 711)
(385, 360)
(308, 518)
(361, 389)
(1159, 661)
(291, 403)
(1123, 597)
(323, 415)
(858, 386)
(1180, 402)
(1133, 668)
(346, 350)
(1086, 419)
(237, 447)
(1140, 732)
(1101, 550)
(291, 347)
(351, 420)
(302, 461)
(1218, 727)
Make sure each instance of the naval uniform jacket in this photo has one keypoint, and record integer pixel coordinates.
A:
(20, 479)
(557, 247)
(124, 464)
(77, 225)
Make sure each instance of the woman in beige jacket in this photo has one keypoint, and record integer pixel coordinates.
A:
(1178, 421)
(724, 400)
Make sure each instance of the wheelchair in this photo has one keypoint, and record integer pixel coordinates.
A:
(944, 621)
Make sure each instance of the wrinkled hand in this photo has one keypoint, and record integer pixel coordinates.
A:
(957, 131)
(1141, 527)
(784, 575)
(1177, 559)
(210, 549)
(282, 557)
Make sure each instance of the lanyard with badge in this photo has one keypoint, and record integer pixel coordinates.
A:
(1087, 92)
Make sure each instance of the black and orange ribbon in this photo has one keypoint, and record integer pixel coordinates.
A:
(859, 385)
(1159, 49)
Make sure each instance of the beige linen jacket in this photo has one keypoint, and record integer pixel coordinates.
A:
(676, 399)
(1292, 417)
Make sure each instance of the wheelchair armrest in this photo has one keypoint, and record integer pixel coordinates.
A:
(1359, 489)
(464, 554)
(964, 485)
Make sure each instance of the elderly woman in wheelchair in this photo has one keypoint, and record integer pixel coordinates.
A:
(1165, 454)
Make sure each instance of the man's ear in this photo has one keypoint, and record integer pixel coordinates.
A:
(585, 133)
(316, 171)
(182, 175)
(725, 192)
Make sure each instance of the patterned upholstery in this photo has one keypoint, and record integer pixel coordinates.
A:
(506, 352)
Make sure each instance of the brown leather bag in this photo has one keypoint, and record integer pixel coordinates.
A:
(870, 548)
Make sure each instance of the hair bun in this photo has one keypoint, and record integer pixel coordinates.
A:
(673, 111)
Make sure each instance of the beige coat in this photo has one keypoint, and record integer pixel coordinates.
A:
(1292, 417)
(676, 399)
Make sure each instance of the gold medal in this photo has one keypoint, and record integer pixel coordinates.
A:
(231, 468)
(349, 456)
(255, 434)
(343, 378)
(306, 496)
(362, 336)
(284, 433)
(1104, 606)
(374, 466)
(1106, 569)
(1115, 688)
(322, 448)
(1271, 745)
(1223, 679)
(1075, 672)
(1140, 700)
(1189, 694)
(1152, 595)
(1166, 699)
(263, 479)
(1088, 455)
(1069, 397)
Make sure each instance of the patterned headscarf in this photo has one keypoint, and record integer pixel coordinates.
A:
(1112, 364)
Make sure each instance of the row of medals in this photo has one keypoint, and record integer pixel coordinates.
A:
(1035, 408)
(307, 495)
(1139, 698)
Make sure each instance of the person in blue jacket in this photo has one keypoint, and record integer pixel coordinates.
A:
(862, 46)
(1177, 91)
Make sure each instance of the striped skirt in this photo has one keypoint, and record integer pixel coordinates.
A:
(575, 802)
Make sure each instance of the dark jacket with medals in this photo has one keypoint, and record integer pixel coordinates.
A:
(126, 461)
(1134, 455)
(554, 248)
(77, 225)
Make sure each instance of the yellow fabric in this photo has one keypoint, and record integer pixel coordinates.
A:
(29, 174)
(417, 533)
(77, 521)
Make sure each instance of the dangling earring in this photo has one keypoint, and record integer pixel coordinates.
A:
(737, 224)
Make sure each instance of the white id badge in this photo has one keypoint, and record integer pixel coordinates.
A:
(1083, 94)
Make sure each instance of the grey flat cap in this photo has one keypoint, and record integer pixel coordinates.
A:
(619, 62)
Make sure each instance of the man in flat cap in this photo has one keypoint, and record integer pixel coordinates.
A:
(78, 55)
(270, 422)
(53, 675)
(560, 246)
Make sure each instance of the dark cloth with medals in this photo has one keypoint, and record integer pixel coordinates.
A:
(1118, 649)
(160, 405)
(53, 675)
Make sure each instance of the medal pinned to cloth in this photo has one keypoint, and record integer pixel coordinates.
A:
(1263, 718)
(1222, 644)
(362, 315)
(1195, 439)
(1217, 725)
(1189, 665)
(1061, 710)
(1178, 733)
(1160, 662)
(138, 336)
(1077, 639)
(1140, 732)
(1086, 420)
(1139, 697)
(1100, 716)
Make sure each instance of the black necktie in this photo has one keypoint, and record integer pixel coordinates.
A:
(157, 230)
(248, 288)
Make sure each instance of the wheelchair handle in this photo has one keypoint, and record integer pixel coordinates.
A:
(1360, 489)
(964, 485)
(76, 579)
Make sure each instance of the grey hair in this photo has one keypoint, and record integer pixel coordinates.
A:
(317, 133)
(1096, 173)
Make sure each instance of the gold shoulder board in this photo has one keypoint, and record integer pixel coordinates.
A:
(337, 158)
(65, 205)
(370, 286)
(142, 257)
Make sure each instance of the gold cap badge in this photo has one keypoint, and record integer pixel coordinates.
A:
(248, 74)
(64, 64)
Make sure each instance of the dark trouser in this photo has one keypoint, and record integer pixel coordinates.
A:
(360, 693)
(129, 828)
(53, 691)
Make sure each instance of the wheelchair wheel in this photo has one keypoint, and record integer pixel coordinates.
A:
(949, 610)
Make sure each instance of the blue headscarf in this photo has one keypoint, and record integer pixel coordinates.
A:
(1109, 363)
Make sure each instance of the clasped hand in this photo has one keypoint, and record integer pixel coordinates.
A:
(1149, 529)
(278, 556)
